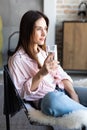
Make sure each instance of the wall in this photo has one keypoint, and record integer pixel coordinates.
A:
(50, 11)
(66, 10)
(57, 11)
(11, 12)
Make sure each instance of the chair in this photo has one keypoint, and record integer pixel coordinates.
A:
(14, 38)
(13, 103)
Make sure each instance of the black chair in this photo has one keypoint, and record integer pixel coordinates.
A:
(13, 103)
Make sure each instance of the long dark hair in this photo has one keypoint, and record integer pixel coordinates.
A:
(26, 28)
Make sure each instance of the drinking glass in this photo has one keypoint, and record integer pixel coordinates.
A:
(52, 49)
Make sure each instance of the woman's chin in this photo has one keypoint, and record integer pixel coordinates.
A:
(41, 43)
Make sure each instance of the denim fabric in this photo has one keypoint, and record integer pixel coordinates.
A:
(57, 103)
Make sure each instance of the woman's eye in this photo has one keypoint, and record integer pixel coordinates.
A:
(39, 28)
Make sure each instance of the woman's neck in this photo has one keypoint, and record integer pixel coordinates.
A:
(36, 49)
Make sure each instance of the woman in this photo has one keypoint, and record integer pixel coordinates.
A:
(36, 74)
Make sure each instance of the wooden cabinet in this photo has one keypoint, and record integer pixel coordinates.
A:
(75, 45)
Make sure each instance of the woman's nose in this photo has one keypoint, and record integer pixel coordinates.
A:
(44, 33)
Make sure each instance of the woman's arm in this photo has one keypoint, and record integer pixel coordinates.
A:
(70, 90)
(37, 79)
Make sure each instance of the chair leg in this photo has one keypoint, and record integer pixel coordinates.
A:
(83, 128)
(7, 122)
(51, 127)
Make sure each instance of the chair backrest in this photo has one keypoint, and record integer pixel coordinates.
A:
(12, 100)
(12, 42)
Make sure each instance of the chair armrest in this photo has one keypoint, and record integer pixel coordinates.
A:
(82, 93)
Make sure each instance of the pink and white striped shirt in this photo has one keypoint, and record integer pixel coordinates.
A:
(23, 68)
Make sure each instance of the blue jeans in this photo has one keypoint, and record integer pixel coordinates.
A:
(57, 103)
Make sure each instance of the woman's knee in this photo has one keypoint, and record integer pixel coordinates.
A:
(50, 103)
(51, 99)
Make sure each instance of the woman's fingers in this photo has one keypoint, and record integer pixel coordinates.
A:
(50, 57)
(50, 64)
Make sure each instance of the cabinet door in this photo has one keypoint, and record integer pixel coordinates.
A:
(75, 46)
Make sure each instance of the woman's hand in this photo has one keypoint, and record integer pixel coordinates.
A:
(49, 64)
(69, 88)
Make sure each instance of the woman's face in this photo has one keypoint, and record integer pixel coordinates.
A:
(39, 32)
